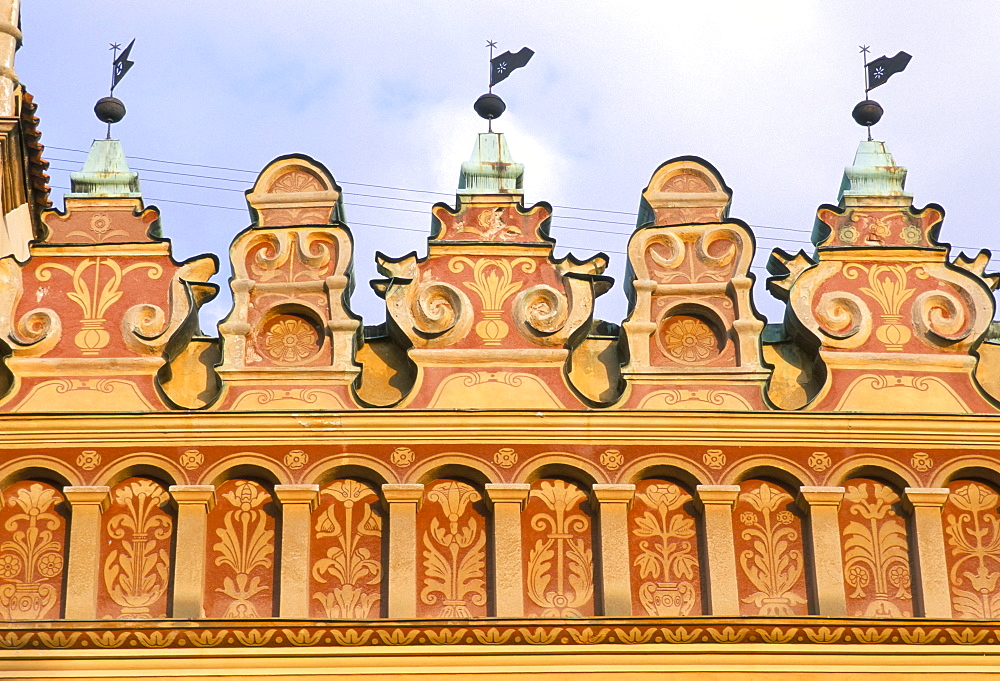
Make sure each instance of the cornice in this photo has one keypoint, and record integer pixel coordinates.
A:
(563, 428)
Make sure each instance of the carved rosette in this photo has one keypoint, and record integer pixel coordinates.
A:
(897, 325)
(691, 324)
(290, 339)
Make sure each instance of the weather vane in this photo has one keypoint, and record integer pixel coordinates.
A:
(490, 106)
(110, 109)
(869, 112)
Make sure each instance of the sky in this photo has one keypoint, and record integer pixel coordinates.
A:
(382, 94)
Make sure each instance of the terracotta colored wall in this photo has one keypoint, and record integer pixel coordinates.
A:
(241, 552)
(972, 538)
(877, 572)
(32, 553)
(347, 573)
(557, 526)
(663, 548)
(451, 545)
(769, 551)
(135, 551)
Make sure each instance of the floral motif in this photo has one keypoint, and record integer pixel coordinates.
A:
(876, 553)
(689, 339)
(402, 457)
(505, 458)
(137, 569)
(560, 567)
(974, 550)
(296, 459)
(819, 461)
(612, 459)
(666, 551)
(714, 459)
(290, 340)
(921, 461)
(295, 182)
(88, 460)
(191, 459)
(454, 565)
(245, 546)
(352, 564)
(771, 560)
(31, 553)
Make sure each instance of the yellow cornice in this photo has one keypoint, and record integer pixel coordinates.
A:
(557, 427)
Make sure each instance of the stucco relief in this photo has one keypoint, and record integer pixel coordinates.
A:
(559, 561)
(877, 573)
(452, 569)
(663, 545)
(769, 547)
(135, 566)
(346, 569)
(31, 553)
(241, 557)
(972, 535)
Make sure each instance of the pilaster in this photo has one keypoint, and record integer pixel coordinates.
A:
(934, 594)
(297, 504)
(822, 505)
(87, 505)
(402, 502)
(508, 501)
(717, 508)
(612, 506)
(193, 504)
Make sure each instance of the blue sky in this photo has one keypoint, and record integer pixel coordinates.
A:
(382, 93)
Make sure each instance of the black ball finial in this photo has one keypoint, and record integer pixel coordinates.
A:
(109, 110)
(867, 112)
(489, 106)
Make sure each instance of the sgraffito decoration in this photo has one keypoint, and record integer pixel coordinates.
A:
(99, 310)
(489, 316)
(876, 551)
(451, 572)
(972, 536)
(241, 552)
(290, 340)
(135, 553)
(31, 553)
(663, 547)
(558, 551)
(692, 333)
(896, 323)
(347, 552)
(769, 550)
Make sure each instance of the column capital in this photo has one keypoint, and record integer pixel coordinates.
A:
(403, 493)
(717, 495)
(297, 494)
(810, 497)
(97, 495)
(508, 492)
(611, 494)
(193, 494)
(931, 497)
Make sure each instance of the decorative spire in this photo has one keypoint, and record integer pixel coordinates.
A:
(873, 174)
(105, 173)
(491, 169)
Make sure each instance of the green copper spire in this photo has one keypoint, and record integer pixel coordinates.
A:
(491, 169)
(874, 174)
(105, 174)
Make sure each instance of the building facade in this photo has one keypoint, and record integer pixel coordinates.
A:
(492, 482)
